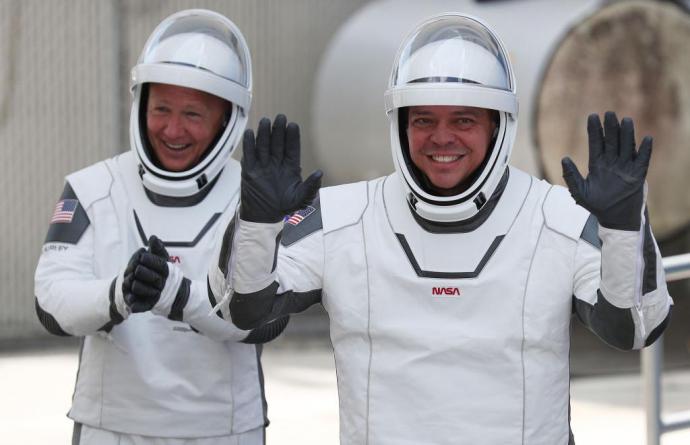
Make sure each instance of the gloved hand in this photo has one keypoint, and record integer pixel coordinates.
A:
(152, 284)
(272, 184)
(614, 188)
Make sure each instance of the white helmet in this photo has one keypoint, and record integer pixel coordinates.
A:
(452, 59)
(205, 51)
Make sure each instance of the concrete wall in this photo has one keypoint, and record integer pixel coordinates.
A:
(64, 101)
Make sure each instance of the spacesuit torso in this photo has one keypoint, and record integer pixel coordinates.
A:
(455, 335)
(148, 375)
(426, 302)
(436, 300)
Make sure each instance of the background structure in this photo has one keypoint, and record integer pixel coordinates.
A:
(64, 104)
(64, 101)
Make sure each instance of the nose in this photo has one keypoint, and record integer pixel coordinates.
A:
(442, 135)
(173, 127)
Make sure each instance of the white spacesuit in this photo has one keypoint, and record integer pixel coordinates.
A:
(449, 315)
(178, 370)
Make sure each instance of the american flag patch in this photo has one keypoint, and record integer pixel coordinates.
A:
(299, 216)
(64, 211)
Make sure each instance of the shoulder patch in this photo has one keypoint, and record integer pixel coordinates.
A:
(299, 215)
(302, 223)
(69, 220)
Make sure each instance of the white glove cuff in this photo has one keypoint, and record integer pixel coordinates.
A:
(118, 298)
(169, 292)
(258, 244)
(621, 259)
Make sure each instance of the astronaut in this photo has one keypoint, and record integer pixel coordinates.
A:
(131, 259)
(450, 284)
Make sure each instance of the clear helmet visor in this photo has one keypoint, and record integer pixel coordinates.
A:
(453, 49)
(198, 49)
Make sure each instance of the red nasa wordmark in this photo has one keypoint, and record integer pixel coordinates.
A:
(447, 291)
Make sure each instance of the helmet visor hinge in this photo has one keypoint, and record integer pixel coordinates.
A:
(480, 200)
(201, 181)
(141, 171)
(412, 200)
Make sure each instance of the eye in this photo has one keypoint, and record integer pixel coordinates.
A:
(159, 109)
(464, 122)
(193, 115)
(422, 122)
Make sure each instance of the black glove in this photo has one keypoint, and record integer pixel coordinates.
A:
(145, 276)
(272, 184)
(614, 189)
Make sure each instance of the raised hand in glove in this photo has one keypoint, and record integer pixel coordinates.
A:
(614, 188)
(152, 284)
(272, 184)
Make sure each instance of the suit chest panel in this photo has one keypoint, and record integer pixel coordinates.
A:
(190, 236)
(465, 285)
(121, 227)
(190, 233)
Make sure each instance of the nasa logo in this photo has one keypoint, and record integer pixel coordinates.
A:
(450, 291)
(175, 259)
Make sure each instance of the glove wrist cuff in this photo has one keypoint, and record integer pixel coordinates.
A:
(247, 215)
(119, 311)
(631, 225)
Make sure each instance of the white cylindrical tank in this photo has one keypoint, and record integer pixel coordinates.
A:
(350, 128)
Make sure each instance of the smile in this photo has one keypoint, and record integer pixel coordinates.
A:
(445, 159)
(176, 147)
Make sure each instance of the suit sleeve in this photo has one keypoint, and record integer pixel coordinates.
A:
(620, 290)
(196, 309)
(69, 298)
(276, 270)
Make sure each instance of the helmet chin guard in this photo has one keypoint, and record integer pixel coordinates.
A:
(202, 50)
(452, 59)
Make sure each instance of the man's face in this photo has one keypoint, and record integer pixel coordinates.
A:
(448, 143)
(181, 123)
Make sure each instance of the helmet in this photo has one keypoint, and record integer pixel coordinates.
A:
(452, 59)
(205, 51)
